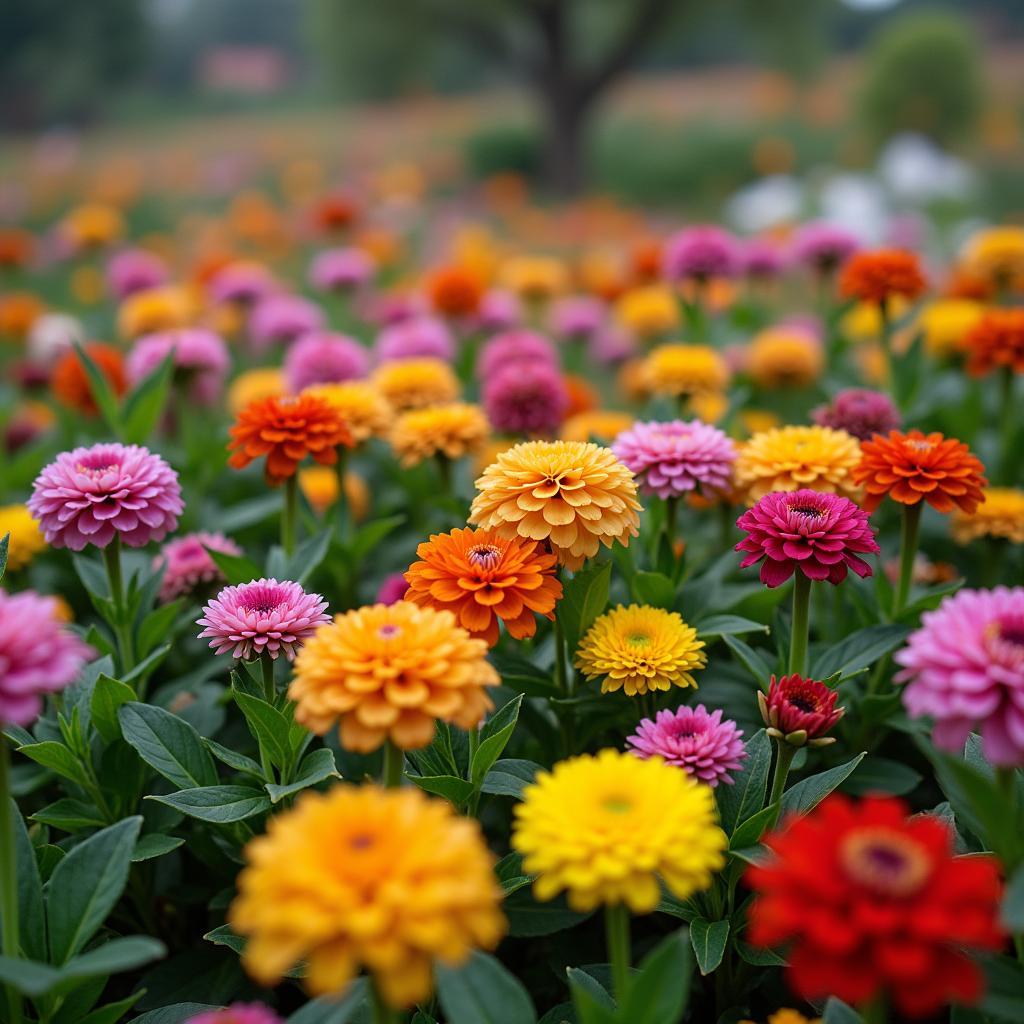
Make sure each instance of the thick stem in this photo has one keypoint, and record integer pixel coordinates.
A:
(444, 471)
(8, 876)
(909, 531)
(394, 765)
(122, 627)
(290, 515)
(801, 624)
(616, 929)
(784, 754)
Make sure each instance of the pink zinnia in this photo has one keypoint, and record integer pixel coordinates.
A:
(700, 253)
(577, 318)
(421, 337)
(820, 534)
(393, 588)
(499, 311)
(200, 357)
(135, 270)
(280, 319)
(187, 564)
(698, 741)
(514, 348)
(263, 615)
(242, 284)
(526, 399)
(670, 459)
(824, 247)
(38, 654)
(341, 270)
(859, 412)
(91, 495)
(323, 357)
(237, 1013)
(964, 667)
(762, 259)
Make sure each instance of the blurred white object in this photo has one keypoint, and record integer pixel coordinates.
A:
(765, 204)
(857, 203)
(916, 171)
(52, 335)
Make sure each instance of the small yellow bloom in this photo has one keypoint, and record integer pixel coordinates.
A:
(599, 425)
(996, 254)
(534, 278)
(453, 430)
(945, 324)
(366, 412)
(709, 406)
(864, 321)
(1000, 516)
(782, 357)
(252, 385)
(156, 309)
(87, 285)
(648, 312)
(319, 486)
(92, 225)
(684, 370)
(416, 383)
(26, 538)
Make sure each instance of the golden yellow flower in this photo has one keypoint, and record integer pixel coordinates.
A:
(572, 494)
(685, 370)
(648, 312)
(26, 538)
(785, 358)
(155, 309)
(386, 672)
(640, 649)
(366, 412)
(93, 224)
(755, 420)
(709, 406)
(599, 425)
(534, 278)
(87, 285)
(996, 254)
(945, 323)
(253, 385)
(863, 322)
(789, 458)
(606, 828)
(453, 430)
(1000, 516)
(632, 382)
(319, 485)
(389, 880)
(416, 383)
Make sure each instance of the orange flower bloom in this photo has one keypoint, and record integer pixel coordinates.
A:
(454, 291)
(880, 275)
(334, 213)
(482, 577)
(16, 247)
(18, 312)
(996, 340)
(286, 430)
(914, 467)
(70, 385)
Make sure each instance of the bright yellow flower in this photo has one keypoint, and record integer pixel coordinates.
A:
(864, 321)
(93, 224)
(945, 323)
(784, 358)
(319, 486)
(709, 406)
(415, 383)
(1000, 516)
(387, 672)
(366, 412)
(648, 312)
(453, 431)
(87, 285)
(252, 385)
(607, 828)
(789, 458)
(534, 278)
(640, 649)
(155, 309)
(26, 538)
(996, 254)
(574, 495)
(685, 370)
(389, 880)
(599, 425)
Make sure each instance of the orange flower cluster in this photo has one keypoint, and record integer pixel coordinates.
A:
(997, 340)
(69, 382)
(881, 275)
(454, 291)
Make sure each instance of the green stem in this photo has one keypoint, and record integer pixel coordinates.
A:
(1007, 427)
(886, 339)
(444, 470)
(290, 515)
(909, 531)
(382, 1013)
(561, 673)
(341, 504)
(122, 627)
(801, 624)
(394, 765)
(784, 754)
(616, 930)
(269, 688)
(8, 876)
(874, 1012)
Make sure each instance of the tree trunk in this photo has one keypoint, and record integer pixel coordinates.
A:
(565, 131)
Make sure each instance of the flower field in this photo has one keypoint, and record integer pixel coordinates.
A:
(434, 610)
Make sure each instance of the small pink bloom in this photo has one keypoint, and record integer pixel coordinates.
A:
(135, 270)
(280, 319)
(762, 259)
(799, 711)
(824, 247)
(242, 283)
(200, 357)
(701, 252)
(526, 399)
(420, 337)
(499, 311)
(393, 588)
(578, 317)
(514, 348)
(859, 412)
(323, 357)
(237, 1013)
(341, 270)
(187, 564)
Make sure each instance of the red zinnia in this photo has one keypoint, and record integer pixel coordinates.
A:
(799, 711)
(69, 381)
(869, 901)
(454, 291)
(881, 275)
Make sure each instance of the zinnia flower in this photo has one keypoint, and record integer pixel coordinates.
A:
(526, 399)
(323, 357)
(996, 254)
(419, 337)
(575, 496)
(648, 312)
(133, 270)
(252, 385)
(416, 383)
(860, 412)
(964, 667)
(201, 361)
(946, 325)
(800, 711)
(341, 270)
(237, 1013)
(164, 308)
(880, 275)
(241, 283)
(280, 319)
(1000, 516)
(485, 579)
(577, 318)
(92, 495)
(996, 342)
(685, 370)
(534, 278)
(913, 467)
(70, 384)
(319, 486)
(262, 616)
(785, 357)
(393, 588)
(38, 654)
(602, 426)
(867, 900)
(696, 740)
(762, 259)
(187, 565)
(514, 348)
(454, 291)
(389, 880)
(824, 247)
(364, 410)
(453, 430)
(640, 650)
(286, 430)
(387, 672)
(26, 539)
(499, 311)
(608, 828)
(675, 458)
(792, 458)
(818, 534)
(700, 253)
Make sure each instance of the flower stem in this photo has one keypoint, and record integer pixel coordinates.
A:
(444, 470)
(874, 1012)
(289, 515)
(801, 624)
(394, 765)
(8, 876)
(122, 628)
(341, 503)
(785, 753)
(561, 673)
(269, 689)
(886, 340)
(1007, 427)
(909, 531)
(616, 930)
(382, 1013)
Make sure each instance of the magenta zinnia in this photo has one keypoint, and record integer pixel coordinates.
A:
(821, 535)
(860, 412)
(237, 1013)
(263, 615)
(798, 710)
(187, 565)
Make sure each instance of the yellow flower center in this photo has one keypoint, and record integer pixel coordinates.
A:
(617, 804)
(639, 639)
(885, 861)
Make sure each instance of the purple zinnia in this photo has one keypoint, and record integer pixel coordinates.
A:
(577, 318)
(392, 589)
(200, 357)
(700, 742)
(243, 284)
(670, 459)
(526, 399)
(513, 348)
(824, 247)
(91, 495)
(422, 337)
(859, 412)
(341, 270)
(280, 319)
(700, 253)
(135, 270)
(323, 357)
(263, 615)
(187, 563)
(821, 535)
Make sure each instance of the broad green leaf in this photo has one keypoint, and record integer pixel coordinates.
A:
(102, 393)
(28, 977)
(121, 954)
(661, 991)
(157, 625)
(5, 544)
(154, 845)
(881, 775)
(217, 804)
(70, 815)
(367, 537)
(494, 735)
(837, 1012)
(107, 697)
(709, 939)
(142, 408)
(509, 777)
(519, 674)
(57, 757)
(92, 575)
(585, 597)
(31, 908)
(308, 556)
(594, 1004)
(529, 918)
(237, 569)
(316, 766)
(750, 659)
(749, 832)
(112, 1012)
(331, 1009)
(168, 744)
(858, 651)
(1004, 990)
(746, 795)
(809, 792)
(233, 759)
(759, 957)
(483, 992)
(451, 787)
(727, 625)
(654, 588)
(267, 724)
(177, 1013)
(1012, 912)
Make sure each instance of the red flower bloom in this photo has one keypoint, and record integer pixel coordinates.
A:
(800, 710)
(881, 275)
(867, 900)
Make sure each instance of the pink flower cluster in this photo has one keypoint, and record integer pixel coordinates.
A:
(577, 318)
(526, 399)
(859, 412)
(135, 270)
(200, 356)
(421, 337)
(187, 564)
(323, 357)
(280, 319)
(242, 284)
(514, 348)
(824, 247)
(700, 253)
(341, 270)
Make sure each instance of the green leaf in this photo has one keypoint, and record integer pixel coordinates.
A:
(759, 957)
(709, 939)
(483, 992)
(509, 777)
(5, 544)
(92, 575)
(122, 954)
(157, 625)
(594, 1005)
(837, 1012)
(233, 759)
(654, 588)
(70, 815)
(267, 724)
(31, 908)
(749, 832)
(519, 674)
(494, 736)
(367, 537)
(154, 845)
(750, 659)
(880, 775)
(1004, 990)
(316, 766)
(143, 406)
(57, 757)
(746, 795)
(859, 650)
(529, 918)
(86, 885)
(332, 1009)
(168, 744)
(661, 991)
(102, 393)
(178, 1013)
(585, 597)
(107, 696)
(236, 569)
(27, 976)
(308, 556)
(112, 1012)
(727, 625)
(809, 792)
(451, 787)
(1012, 912)
(217, 804)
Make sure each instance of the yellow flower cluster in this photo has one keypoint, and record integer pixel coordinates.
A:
(26, 538)
(416, 383)
(785, 358)
(1000, 516)
(685, 370)
(366, 412)
(453, 430)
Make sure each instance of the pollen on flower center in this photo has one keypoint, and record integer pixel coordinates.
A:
(617, 804)
(639, 639)
(484, 556)
(262, 599)
(885, 861)
(807, 510)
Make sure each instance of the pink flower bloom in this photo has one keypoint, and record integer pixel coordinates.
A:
(393, 588)
(38, 654)
(187, 564)
(526, 399)
(421, 337)
(964, 668)
(200, 357)
(237, 1013)
(824, 247)
(391, 308)
(577, 317)
(135, 270)
(671, 459)
(242, 283)
(700, 253)
(499, 311)
(821, 535)
(762, 259)
(91, 495)
(511, 348)
(280, 319)
(341, 270)
(323, 357)
(698, 741)
(859, 412)
(263, 615)
(611, 346)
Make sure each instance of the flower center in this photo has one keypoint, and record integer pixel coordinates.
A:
(616, 804)
(484, 556)
(806, 510)
(803, 702)
(262, 599)
(920, 445)
(362, 841)
(1005, 640)
(885, 861)
(389, 631)
(638, 639)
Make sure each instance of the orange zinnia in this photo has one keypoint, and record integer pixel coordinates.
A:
(286, 430)
(881, 275)
(16, 247)
(454, 291)
(996, 340)
(482, 577)
(69, 382)
(914, 467)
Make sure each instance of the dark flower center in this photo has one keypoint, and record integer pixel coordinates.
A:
(363, 841)
(484, 556)
(803, 703)
(885, 860)
(807, 510)
(388, 631)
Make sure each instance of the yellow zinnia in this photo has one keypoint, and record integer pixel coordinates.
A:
(996, 254)
(944, 325)
(782, 357)
(319, 486)
(389, 880)
(685, 370)
(607, 828)
(252, 385)
(534, 278)
(26, 538)
(156, 309)
(599, 425)
(366, 412)
(453, 431)
(416, 383)
(93, 224)
(1000, 516)
(640, 649)
(648, 312)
